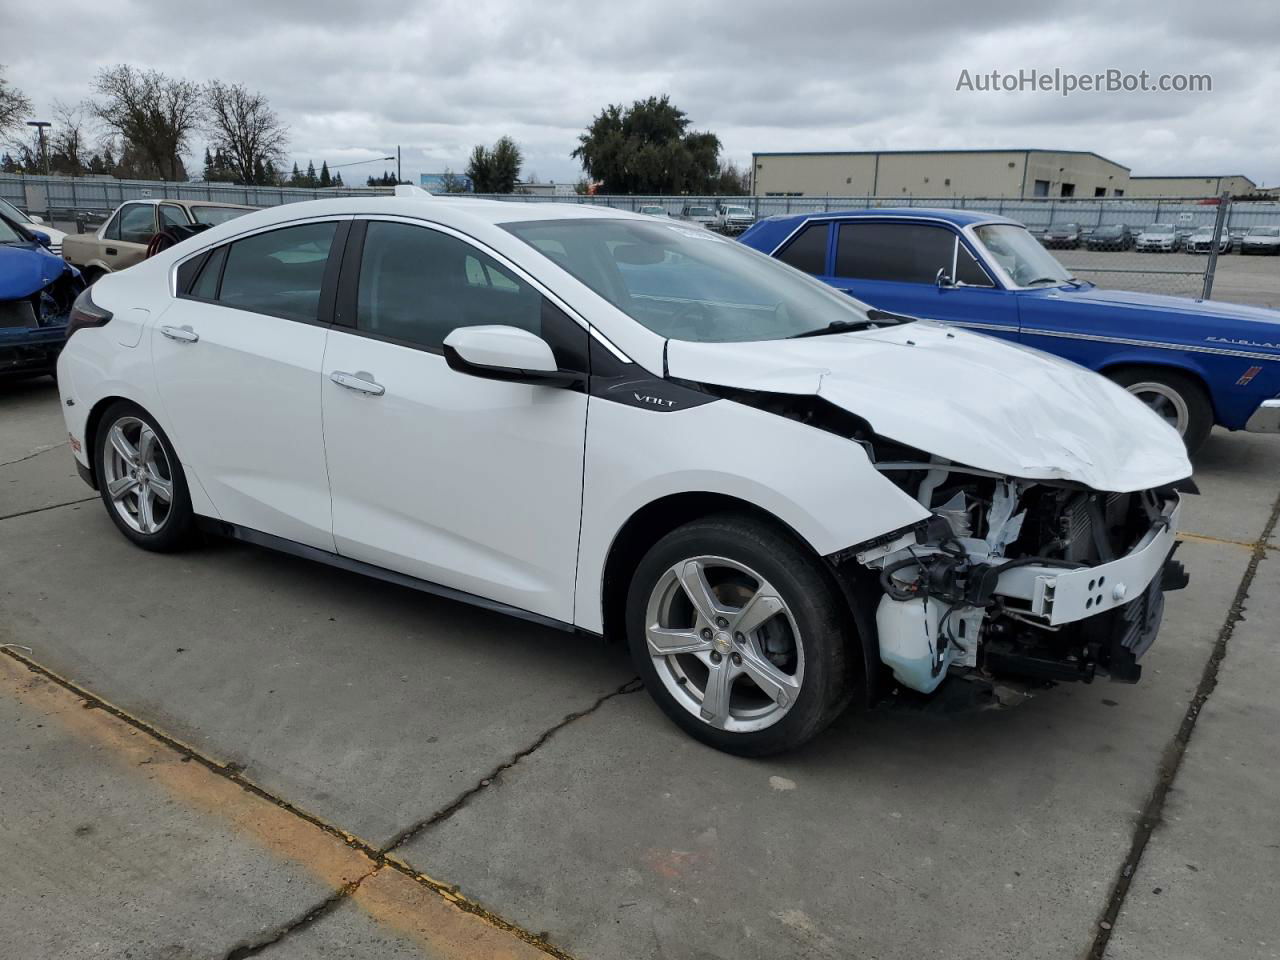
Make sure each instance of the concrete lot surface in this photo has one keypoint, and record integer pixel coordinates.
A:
(229, 753)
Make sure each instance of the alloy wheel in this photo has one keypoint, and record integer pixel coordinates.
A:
(137, 475)
(724, 643)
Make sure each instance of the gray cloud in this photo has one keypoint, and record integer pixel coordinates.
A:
(353, 80)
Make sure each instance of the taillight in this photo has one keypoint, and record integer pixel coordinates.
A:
(86, 313)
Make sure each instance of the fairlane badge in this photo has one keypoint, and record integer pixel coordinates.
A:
(1240, 342)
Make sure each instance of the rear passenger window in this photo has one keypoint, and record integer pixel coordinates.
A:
(206, 285)
(901, 252)
(418, 285)
(808, 250)
(278, 273)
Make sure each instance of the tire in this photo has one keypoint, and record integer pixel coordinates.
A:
(1174, 395)
(142, 512)
(794, 635)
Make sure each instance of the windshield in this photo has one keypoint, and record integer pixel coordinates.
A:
(699, 211)
(216, 215)
(689, 284)
(1021, 256)
(1160, 228)
(1108, 231)
(1065, 228)
(9, 233)
(737, 210)
(9, 210)
(1264, 231)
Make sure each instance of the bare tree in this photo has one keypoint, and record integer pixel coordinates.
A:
(68, 143)
(245, 128)
(154, 114)
(14, 104)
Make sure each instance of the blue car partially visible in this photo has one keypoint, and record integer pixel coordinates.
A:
(1197, 363)
(37, 290)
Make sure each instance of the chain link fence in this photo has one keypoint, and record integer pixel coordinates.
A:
(82, 203)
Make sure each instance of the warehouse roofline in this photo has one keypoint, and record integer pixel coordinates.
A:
(870, 153)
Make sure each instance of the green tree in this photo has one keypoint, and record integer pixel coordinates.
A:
(647, 148)
(325, 179)
(309, 178)
(295, 178)
(337, 179)
(496, 169)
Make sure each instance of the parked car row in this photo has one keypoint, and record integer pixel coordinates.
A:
(42, 269)
(1160, 238)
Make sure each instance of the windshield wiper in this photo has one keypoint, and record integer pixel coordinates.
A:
(875, 318)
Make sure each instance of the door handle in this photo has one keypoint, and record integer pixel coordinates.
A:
(112, 251)
(360, 381)
(183, 334)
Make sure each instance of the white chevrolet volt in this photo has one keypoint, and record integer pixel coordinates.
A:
(786, 501)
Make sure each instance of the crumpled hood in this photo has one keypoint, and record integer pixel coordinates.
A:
(26, 268)
(968, 398)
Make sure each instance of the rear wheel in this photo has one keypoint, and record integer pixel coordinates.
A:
(739, 635)
(140, 479)
(1178, 398)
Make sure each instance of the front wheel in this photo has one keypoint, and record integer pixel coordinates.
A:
(140, 479)
(739, 635)
(1178, 398)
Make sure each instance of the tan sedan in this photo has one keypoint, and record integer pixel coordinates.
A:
(122, 240)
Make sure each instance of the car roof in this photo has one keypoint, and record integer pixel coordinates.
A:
(188, 202)
(960, 218)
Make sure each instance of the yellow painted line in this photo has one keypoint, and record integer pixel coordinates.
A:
(1218, 541)
(434, 915)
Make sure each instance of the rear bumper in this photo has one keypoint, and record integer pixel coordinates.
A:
(30, 350)
(1266, 419)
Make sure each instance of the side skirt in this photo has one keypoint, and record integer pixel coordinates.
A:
(293, 548)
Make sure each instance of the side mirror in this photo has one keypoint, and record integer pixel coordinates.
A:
(42, 238)
(942, 278)
(499, 352)
(35, 219)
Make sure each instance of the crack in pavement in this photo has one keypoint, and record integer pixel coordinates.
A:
(34, 453)
(447, 811)
(1153, 811)
(52, 506)
(381, 857)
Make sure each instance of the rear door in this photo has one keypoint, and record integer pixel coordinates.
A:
(895, 266)
(237, 360)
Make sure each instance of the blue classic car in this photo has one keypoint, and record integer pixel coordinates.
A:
(36, 293)
(1195, 362)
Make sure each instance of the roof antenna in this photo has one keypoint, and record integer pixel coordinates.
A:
(409, 190)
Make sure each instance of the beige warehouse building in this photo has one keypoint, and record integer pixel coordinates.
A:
(939, 173)
(1235, 184)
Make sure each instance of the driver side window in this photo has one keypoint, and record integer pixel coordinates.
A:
(899, 252)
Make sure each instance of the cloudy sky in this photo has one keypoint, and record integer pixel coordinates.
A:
(354, 79)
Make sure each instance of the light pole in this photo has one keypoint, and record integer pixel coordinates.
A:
(44, 150)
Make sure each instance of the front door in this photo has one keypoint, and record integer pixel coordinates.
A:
(471, 483)
(126, 238)
(895, 266)
(237, 360)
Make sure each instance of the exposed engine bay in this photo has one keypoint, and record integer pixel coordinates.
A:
(1039, 579)
(985, 583)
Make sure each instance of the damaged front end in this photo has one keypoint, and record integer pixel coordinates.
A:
(34, 309)
(1048, 580)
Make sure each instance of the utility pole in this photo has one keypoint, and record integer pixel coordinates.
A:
(398, 177)
(1220, 224)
